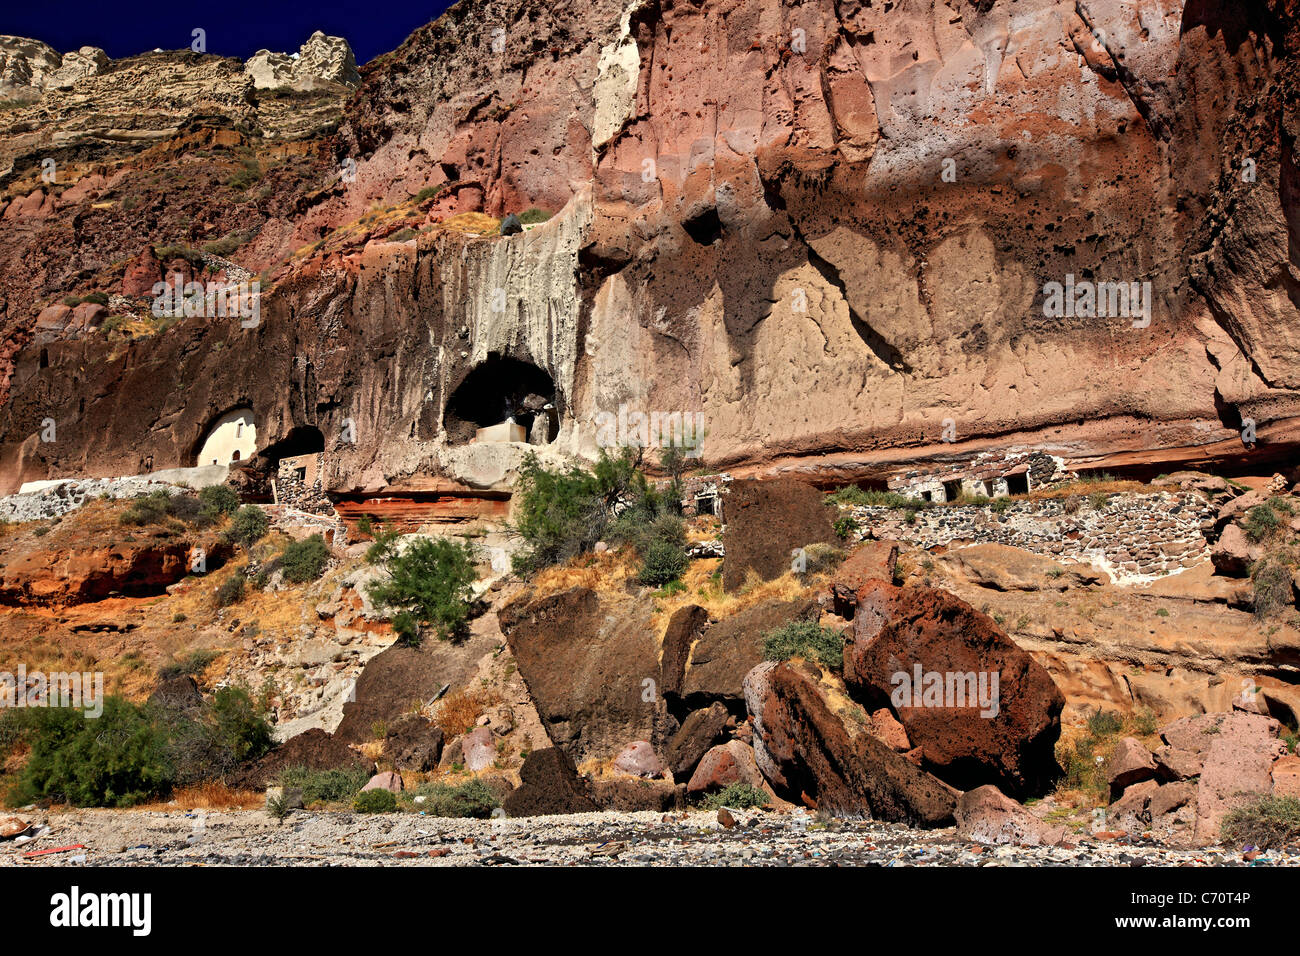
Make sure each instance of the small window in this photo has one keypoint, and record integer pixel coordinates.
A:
(300, 474)
(1018, 484)
(235, 455)
(239, 430)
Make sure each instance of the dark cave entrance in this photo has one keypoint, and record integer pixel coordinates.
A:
(301, 440)
(502, 389)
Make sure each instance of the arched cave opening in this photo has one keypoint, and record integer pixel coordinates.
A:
(301, 440)
(501, 390)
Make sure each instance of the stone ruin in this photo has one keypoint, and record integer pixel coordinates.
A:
(988, 475)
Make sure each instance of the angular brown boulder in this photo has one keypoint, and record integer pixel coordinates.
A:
(1175, 764)
(980, 709)
(586, 661)
(1233, 554)
(1129, 764)
(683, 628)
(988, 816)
(550, 785)
(629, 794)
(698, 732)
(766, 522)
(730, 648)
(732, 762)
(314, 749)
(413, 743)
(1132, 811)
(872, 561)
(806, 751)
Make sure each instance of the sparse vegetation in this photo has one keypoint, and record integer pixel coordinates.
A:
(473, 799)
(375, 801)
(533, 215)
(231, 591)
(248, 526)
(1265, 823)
(324, 786)
(738, 796)
(806, 639)
(305, 560)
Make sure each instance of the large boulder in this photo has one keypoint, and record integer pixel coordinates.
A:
(732, 762)
(1233, 553)
(697, 734)
(766, 522)
(586, 661)
(1238, 752)
(871, 561)
(730, 648)
(550, 785)
(413, 743)
(808, 752)
(980, 709)
(684, 627)
(315, 749)
(988, 816)
(1129, 764)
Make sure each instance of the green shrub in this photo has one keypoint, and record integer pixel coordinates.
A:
(999, 505)
(1105, 723)
(1261, 522)
(98, 298)
(663, 561)
(191, 665)
(152, 508)
(806, 639)
(853, 495)
(226, 733)
(431, 581)
(218, 500)
(324, 786)
(375, 801)
(533, 215)
(559, 514)
(248, 526)
(846, 526)
(738, 796)
(402, 235)
(1098, 500)
(468, 800)
(231, 591)
(1267, 822)
(115, 760)
(428, 192)
(305, 560)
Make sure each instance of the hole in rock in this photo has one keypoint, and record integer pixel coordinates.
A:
(503, 391)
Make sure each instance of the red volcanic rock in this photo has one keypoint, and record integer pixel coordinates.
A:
(766, 522)
(142, 273)
(684, 628)
(88, 316)
(980, 709)
(871, 561)
(35, 205)
(61, 575)
(694, 738)
(808, 752)
(54, 319)
(732, 762)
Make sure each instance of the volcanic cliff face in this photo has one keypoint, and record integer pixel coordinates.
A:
(825, 227)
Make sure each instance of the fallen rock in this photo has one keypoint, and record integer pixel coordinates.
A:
(639, 760)
(478, 749)
(1171, 797)
(699, 731)
(1132, 811)
(584, 659)
(1233, 554)
(809, 753)
(550, 785)
(767, 521)
(1176, 764)
(684, 627)
(629, 795)
(1130, 763)
(413, 743)
(732, 762)
(930, 657)
(392, 782)
(732, 647)
(872, 561)
(988, 816)
(315, 749)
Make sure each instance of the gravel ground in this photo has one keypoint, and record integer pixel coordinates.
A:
(252, 837)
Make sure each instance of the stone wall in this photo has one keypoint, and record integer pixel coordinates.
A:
(299, 483)
(1133, 537)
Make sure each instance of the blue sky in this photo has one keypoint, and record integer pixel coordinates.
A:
(234, 27)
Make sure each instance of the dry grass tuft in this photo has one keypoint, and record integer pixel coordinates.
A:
(457, 713)
(210, 795)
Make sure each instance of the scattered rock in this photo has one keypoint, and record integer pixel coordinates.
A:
(392, 782)
(550, 785)
(732, 762)
(698, 732)
(988, 816)
(871, 561)
(1130, 763)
